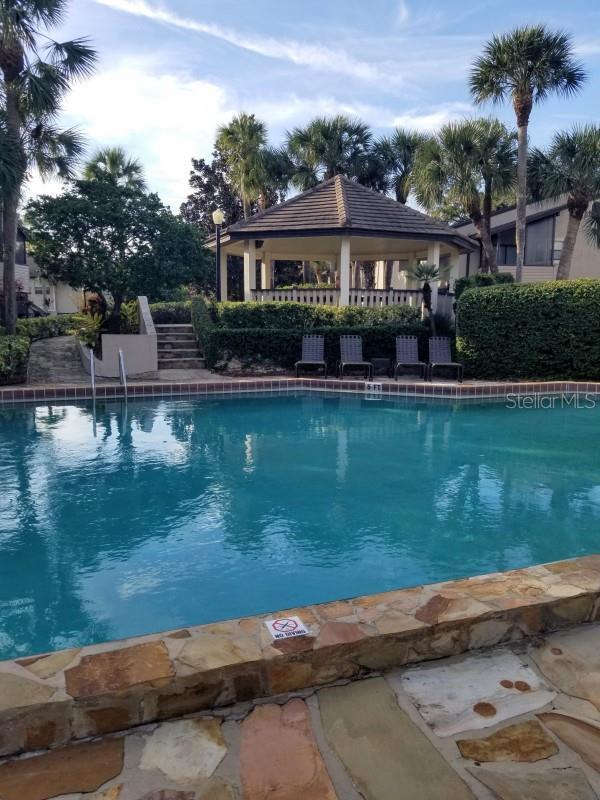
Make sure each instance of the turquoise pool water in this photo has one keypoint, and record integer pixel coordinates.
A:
(184, 512)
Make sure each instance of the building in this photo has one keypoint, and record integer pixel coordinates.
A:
(345, 224)
(35, 294)
(546, 228)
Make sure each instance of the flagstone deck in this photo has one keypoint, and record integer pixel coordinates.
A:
(516, 722)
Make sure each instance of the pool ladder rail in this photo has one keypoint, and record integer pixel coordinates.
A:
(122, 373)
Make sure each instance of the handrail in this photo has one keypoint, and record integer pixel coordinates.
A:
(122, 372)
(93, 374)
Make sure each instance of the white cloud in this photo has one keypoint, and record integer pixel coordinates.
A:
(402, 13)
(161, 118)
(307, 54)
(431, 119)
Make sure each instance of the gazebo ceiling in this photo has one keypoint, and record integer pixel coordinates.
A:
(340, 207)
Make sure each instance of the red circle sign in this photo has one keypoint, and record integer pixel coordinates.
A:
(285, 625)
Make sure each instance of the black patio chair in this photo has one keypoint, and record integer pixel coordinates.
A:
(313, 353)
(407, 355)
(440, 355)
(351, 355)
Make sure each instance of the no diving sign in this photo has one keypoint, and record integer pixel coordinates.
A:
(285, 627)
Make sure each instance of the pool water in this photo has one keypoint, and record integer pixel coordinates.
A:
(184, 512)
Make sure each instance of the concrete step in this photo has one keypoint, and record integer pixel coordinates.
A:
(176, 337)
(187, 344)
(178, 352)
(181, 363)
(174, 328)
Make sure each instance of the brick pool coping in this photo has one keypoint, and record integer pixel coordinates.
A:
(485, 389)
(52, 699)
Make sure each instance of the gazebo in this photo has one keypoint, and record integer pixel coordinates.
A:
(340, 221)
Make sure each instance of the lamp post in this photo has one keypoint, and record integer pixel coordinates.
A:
(218, 216)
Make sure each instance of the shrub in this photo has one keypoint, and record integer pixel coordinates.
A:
(14, 356)
(282, 346)
(171, 313)
(45, 327)
(87, 328)
(479, 280)
(541, 330)
(305, 317)
(130, 317)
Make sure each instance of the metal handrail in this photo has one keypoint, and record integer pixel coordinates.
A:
(122, 372)
(93, 374)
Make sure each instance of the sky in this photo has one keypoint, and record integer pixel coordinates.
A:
(171, 71)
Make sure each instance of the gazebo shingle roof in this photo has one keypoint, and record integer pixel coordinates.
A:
(341, 206)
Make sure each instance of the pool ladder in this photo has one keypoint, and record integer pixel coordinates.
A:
(122, 373)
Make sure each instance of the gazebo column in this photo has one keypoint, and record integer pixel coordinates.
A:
(433, 257)
(266, 272)
(344, 269)
(223, 271)
(249, 268)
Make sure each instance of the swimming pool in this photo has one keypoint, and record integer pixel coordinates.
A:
(181, 512)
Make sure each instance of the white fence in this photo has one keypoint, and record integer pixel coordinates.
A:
(331, 297)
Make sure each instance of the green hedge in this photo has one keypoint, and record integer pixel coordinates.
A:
(45, 327)
(543, 330)
(283, 346)
(479, 280)
(171, 313)
(14, 356)
(305, 317)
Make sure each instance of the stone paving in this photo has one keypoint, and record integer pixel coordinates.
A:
(517, 722)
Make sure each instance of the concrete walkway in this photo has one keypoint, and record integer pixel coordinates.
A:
(515, 723)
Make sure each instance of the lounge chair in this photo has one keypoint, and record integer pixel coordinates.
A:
(351, 355)
(313, 353)
(407, 355)
(440, 355)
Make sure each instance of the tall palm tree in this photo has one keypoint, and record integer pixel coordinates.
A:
(571, 166)
(526, 66)
(35, 74)
(397, 155)
(465, 165)
(242, 142)
(328, 146)
(114, 163)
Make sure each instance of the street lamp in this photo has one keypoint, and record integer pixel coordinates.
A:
(218, 216)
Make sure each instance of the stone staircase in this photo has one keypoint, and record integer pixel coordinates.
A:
(177, 347)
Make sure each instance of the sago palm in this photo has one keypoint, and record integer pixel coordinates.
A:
(35, 74)
(114, 164)
(328, 146)
(242, 142)
(571, 166)
(464, 166)
(525, 66)
(397, 156)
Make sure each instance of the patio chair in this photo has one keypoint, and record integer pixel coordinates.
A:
(407, 355)
(313, 353)
(351, 355)
(440, 355)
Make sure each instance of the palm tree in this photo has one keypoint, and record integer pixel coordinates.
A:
(397, 155)
(242, 142)
(464, 166)
(35, 74)
(328, 146)
(114, 164)
(526, 65)
(571, 166)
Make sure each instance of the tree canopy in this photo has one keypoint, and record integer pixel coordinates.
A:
(116, 241)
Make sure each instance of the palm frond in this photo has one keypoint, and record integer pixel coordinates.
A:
(591, 224)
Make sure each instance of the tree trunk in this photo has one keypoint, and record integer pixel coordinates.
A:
(246, 205)
(306, 276)
(9, 236)
(486, 233)
(566, 256)
(478, 220)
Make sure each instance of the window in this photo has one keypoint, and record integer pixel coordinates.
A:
(506, 249)
(540, 242)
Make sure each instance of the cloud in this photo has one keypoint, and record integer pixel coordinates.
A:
(306, 54)
(402, 13)
(430, 119)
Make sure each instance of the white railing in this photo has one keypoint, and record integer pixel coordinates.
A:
(122, 373)
(93, 374)
(331, 297)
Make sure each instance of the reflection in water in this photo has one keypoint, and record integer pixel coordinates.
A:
(184, 512)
